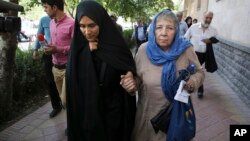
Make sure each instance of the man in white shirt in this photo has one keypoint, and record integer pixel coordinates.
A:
(182, 24)
(201, 35)
(140, 34)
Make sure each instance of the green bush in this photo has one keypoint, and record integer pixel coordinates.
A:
(29, 87)
(127, 34)
(29, 77)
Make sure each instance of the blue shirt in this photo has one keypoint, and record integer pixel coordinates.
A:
(183, 28)
(141, 35)
(43, 28)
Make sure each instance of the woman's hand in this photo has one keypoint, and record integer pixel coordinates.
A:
(93, 45)
(128, 82)
(189, 86)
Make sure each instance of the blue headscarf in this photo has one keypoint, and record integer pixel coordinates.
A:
(159, 57)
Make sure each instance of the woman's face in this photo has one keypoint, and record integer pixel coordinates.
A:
(89, 29)
(164, 32)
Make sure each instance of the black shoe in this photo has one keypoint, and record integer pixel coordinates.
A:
(66, 132)
(200, 95)
(54, 112)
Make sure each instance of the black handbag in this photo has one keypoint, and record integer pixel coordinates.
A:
(162, 119)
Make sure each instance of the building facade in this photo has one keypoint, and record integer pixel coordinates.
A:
(232, 21)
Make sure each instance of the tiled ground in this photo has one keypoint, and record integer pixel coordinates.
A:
(219, 108)
(37, 127)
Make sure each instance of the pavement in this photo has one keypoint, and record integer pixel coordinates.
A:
(219, 108)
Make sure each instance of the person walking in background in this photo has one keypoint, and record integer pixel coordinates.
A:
(140, 34)
(98, 108)
(183, 25)
(163, 56)
(61, 29)
(195, 21)
(202, 36)
(188, 21)
(114, 19)
(43, 29)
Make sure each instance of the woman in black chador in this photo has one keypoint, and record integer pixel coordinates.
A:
(98, 108)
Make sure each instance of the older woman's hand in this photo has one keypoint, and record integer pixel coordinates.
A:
(128, 82)
(190, 85)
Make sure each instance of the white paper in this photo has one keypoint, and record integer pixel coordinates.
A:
(182, 95)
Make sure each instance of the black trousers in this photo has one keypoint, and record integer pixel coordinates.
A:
(53, 93)
(201, 57)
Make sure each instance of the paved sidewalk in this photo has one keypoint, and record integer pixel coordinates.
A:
(37, 127)
(219, 108)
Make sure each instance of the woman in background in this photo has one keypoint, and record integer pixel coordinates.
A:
(189, 21)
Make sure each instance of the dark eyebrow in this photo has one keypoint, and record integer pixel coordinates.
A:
(92, 24)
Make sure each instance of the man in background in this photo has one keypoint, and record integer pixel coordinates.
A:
(140, 34)
(43, 29)
(182, 24)
(114, 19)
(202, 36)
(62, 31)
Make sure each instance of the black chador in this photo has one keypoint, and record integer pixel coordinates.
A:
(98, 108)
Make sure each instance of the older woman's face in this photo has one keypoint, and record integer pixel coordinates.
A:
(164, 32)
(89, 29)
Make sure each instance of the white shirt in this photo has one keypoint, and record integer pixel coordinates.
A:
(195, 34)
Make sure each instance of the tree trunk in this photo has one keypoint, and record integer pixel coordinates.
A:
(13, 13)
(8, 44)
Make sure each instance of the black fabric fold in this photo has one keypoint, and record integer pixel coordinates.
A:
(210, 62)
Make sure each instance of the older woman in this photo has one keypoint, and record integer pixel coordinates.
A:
(98, 108)
(157, 61)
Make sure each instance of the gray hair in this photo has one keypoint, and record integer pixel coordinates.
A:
(179, 14)
(208, 12)
(168, 15)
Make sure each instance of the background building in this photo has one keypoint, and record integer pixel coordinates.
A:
(232, 20)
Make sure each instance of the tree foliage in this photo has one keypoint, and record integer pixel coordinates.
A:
(135, 9)
(28, 4)
(70, 5)
(132, 9)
